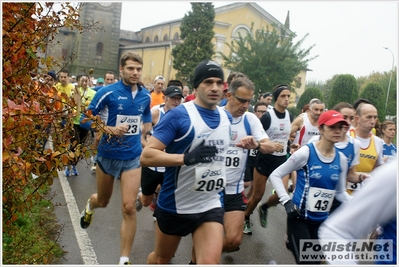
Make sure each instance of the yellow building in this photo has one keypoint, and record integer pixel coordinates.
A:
(159, 40)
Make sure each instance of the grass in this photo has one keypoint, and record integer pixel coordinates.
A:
(32, 239)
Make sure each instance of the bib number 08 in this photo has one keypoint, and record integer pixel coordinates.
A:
(235, 162)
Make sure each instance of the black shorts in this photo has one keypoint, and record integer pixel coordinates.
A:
(184, 224)
(150, 180)
(235, 202)
(249, 169)
(265, 164)
(300, 228)
(249, 174)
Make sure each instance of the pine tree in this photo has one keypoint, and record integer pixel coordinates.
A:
(344, 90)
(375, 94)
(197, 33)
(308, 95)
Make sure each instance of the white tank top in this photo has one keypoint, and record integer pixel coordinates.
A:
(199, 185)
(279, 131)
(307, 131)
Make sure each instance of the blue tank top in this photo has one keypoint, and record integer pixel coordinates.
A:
(315, 187)
(349, 152)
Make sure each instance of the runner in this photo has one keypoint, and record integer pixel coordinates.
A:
(122, 107)
(152, 177)
(321, 175)
(193, 148)
(277, 124)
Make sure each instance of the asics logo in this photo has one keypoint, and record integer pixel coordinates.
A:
(323, 194)
(211, 173)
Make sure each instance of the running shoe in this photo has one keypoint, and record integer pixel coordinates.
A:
(74, 171)
(93, 168)
(67, 172)
(247, 228)
(85, 217)
(262, 215)
(139, 205)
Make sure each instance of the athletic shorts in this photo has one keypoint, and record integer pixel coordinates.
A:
(150, 180)
(249, 169)
(115, 167)
(249, 174)
(235, 202)
(184, 224)
(265, 164)
(298, 229)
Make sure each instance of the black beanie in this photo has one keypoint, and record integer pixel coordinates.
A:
(207, 69)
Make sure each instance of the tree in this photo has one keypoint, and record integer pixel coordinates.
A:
(197, 33)
(344, 90)
(375, 94)
(308, 95)
(32, 111)
(268, 57)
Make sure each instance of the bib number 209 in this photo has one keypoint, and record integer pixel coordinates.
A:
(210, 185)
(209, 179)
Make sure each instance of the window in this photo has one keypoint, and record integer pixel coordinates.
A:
(147, 40)
(176, 36)
(99, 53)
(165, 38)
(156, 39)
(99, 49)
(242, 30)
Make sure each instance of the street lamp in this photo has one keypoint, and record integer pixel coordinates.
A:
(390, 78)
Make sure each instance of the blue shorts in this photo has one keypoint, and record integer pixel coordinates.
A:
(115, 167)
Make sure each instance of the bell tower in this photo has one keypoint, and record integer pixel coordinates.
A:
(98, 49)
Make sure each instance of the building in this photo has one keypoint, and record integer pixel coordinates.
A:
(98, 50)
(102, 50)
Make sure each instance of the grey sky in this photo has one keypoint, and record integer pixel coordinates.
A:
(349, 36)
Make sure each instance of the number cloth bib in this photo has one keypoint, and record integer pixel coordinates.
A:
(133, 123)
(320, 199)
(209, 178)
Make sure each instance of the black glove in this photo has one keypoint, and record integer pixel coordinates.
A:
(201, 153)
(291, 209)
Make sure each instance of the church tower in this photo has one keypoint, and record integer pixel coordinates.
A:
(98, 50)
(91, 49)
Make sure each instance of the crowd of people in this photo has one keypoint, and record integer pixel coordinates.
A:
(170, 150)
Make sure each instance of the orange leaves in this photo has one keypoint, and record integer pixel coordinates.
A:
(65, 159)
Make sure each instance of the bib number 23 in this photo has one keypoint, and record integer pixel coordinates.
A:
(132, 122)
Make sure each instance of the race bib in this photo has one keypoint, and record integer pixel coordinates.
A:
(233, 157)
(209, 178)
(354, 186)
(320, 199)
(133, 123)
(253, 152)
(282, 142)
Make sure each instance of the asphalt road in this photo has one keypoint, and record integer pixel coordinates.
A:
(100, 243)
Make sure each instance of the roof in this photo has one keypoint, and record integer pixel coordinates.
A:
(229, 7)
(129, 35)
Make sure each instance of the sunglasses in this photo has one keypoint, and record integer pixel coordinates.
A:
(242, 100)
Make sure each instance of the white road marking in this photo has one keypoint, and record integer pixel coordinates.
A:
(86, 249)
